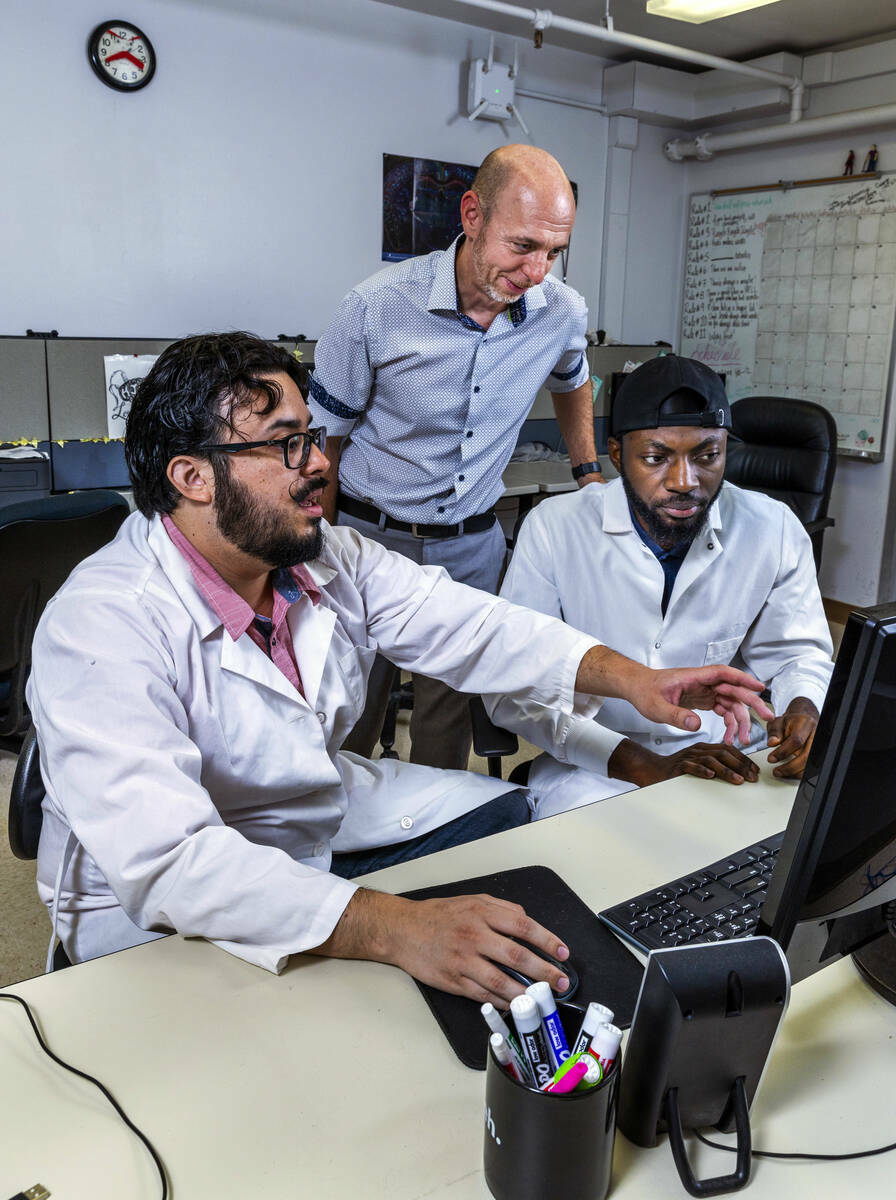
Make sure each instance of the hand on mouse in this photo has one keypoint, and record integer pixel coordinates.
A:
(454, 944)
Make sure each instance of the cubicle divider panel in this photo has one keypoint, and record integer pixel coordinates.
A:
(23, 389)
(77, 382)
(53, 391)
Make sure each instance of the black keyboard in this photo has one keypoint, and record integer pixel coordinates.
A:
(713, 904)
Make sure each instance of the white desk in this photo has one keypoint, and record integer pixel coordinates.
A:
(546, 476)
(334, 1081)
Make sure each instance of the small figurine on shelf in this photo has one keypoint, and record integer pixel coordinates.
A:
(871, 159)
(850, 163)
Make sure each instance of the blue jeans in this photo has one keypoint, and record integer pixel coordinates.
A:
(504, 812)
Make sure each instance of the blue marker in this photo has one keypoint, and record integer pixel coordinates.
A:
(547, 1008)
(530, 1026)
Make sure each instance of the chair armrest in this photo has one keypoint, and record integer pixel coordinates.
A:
(816, 526)
(25, 797)
(489, 741)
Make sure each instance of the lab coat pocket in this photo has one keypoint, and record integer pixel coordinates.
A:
(270, 760)
(722, 651)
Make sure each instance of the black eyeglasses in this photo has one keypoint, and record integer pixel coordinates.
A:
(296, 447)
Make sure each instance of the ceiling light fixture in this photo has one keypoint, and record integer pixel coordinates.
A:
(698, 11)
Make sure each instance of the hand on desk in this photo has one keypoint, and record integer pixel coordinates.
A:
(452, 944)
(706, 760)
(792, 734)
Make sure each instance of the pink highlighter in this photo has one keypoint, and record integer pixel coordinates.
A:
(568, 1081)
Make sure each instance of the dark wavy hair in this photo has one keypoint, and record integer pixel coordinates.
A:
(189, 398)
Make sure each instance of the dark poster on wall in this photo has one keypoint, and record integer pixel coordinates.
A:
(421, 204)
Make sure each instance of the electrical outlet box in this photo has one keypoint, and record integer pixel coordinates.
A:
(494, 87)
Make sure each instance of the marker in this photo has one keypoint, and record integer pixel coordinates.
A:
(593, 1075)
(497, 1024)
(605, 1045)
(595, 1014)
(569, 1081)
(535, 1043)
(594, 1072)
(505, 1058)
(547, 1007)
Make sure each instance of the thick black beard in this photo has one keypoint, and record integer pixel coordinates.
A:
(261, 533)
(656, 526)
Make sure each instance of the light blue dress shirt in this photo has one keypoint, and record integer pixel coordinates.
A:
(431, 402)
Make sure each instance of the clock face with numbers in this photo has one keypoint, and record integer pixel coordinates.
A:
(121, 55)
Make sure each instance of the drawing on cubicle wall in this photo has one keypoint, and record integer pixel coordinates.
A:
(123, 374)
(792, 292)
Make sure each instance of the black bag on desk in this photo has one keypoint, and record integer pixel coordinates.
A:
(607, 971)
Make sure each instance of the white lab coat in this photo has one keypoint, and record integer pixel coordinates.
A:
(746, 594)
(201, 791)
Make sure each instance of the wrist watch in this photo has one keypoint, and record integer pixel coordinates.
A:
(588, 468)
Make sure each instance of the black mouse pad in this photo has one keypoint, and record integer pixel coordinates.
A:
(607, 971)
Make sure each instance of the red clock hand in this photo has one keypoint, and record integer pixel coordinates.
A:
(130, 57)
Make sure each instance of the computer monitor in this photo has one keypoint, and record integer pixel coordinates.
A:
(835, 877)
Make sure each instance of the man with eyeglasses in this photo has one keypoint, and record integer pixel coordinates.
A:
(194, 680)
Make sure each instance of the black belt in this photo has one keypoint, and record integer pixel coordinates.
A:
(368, 512)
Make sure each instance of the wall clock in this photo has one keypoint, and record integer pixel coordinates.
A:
(121, 55)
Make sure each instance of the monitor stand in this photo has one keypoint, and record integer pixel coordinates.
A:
(876, 964)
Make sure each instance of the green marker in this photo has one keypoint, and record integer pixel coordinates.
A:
(592, 1077)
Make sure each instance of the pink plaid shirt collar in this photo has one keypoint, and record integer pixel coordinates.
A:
(234, 612)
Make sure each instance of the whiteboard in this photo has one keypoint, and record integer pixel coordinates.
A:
(792, 292)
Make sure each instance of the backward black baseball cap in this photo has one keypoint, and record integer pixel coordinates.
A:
(698, 390)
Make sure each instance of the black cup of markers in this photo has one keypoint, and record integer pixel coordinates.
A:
(538, 1145)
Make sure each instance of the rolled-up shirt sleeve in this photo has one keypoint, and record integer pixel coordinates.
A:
(571, 369)
(342, 381)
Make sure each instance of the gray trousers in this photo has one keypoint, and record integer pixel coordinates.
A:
(440, 719)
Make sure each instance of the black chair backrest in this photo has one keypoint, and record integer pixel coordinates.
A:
(41, 542)
(787, 449)
(25, 798)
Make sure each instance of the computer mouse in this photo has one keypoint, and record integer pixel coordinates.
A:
(566, 967)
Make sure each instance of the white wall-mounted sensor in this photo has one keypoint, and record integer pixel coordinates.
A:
(491, 90)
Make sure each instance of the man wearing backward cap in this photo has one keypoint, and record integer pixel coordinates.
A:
(670, 565)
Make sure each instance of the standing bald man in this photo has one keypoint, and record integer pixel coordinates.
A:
(423, 380)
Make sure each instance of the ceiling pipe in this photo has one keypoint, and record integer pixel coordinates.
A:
(705, 145)
(542, 19)
(598, 108)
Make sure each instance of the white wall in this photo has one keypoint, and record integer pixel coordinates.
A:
(859, 563)
(655, 261)
(242, 186)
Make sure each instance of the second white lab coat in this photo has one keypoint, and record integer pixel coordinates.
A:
(198, 790)
(746, 594)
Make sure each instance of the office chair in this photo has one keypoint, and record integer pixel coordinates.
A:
(787, 449)
(493, 743)
(41, 541)
(26, 814)
(401, 696)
